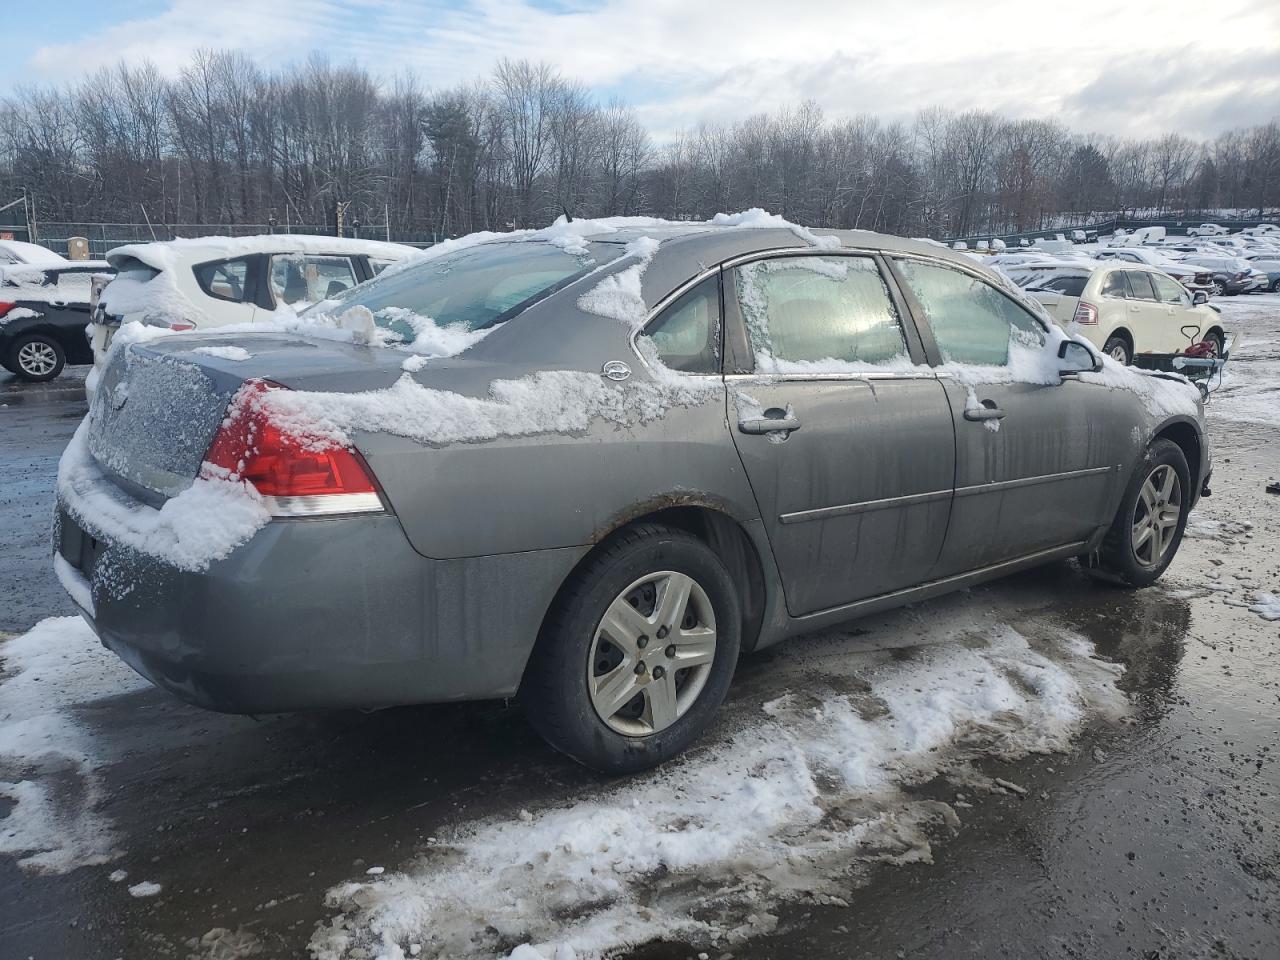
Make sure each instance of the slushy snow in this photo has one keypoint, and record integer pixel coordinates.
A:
(55, 825)
(791, 806)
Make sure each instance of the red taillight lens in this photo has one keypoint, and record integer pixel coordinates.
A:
(1085, 313)
(6, 307)
(182, 327)
(296, 476)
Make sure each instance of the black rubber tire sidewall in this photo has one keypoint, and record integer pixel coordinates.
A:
(554, 692)
(1116, 555)
(22, 341)
(1106, 348)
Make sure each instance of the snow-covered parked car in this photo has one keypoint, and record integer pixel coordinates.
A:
(1228, 275)
(1208, 230)
(1188, 273)
(31, 254)
(1268, 263)
(44, 311)
(593, 466)
(1127, 311)
(209, 282)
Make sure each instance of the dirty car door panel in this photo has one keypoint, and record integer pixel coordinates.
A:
(1035, 455)
(848, 447)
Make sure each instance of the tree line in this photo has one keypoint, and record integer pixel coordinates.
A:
(227, 142)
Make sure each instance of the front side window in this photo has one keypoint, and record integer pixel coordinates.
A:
(686, 335)
(307, 278)
(224, 279)
(972, 321)
(1169, 290)
(807, 313)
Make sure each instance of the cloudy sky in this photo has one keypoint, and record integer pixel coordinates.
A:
(1129, 67)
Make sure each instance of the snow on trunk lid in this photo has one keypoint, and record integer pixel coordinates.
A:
(153, 417)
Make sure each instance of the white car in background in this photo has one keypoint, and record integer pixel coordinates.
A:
(1127, 311)
(1190, 275)
(1207, 230)
(31, 254)
(209, 282)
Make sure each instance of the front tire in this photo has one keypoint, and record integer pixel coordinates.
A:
(1219, 342)
(1147, 530)
(637, 653)
(1217, 289)
(36, 358)
(1275, 287)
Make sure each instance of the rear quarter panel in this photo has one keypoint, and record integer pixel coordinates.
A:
(557, 490)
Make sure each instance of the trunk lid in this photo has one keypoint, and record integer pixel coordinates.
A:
(159, 403)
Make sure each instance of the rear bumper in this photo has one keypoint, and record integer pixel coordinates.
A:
(315, 614)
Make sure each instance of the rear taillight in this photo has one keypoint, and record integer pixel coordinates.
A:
(1241, 275)
(182, 327)
(1086, 313)
(296, 477)
(6, 307)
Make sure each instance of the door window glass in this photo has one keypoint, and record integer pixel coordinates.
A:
(298, 278)
(806, 314)
(223, 279)
(1168, 289)
(1140, 285)
(972, 321)
(686, 335)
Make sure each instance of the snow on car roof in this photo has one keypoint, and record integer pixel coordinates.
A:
(163, 254)
(32, 253)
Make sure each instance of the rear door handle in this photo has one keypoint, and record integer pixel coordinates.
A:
(988, 411)
(768, 424)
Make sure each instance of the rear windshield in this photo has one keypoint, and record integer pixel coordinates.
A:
(477, 287)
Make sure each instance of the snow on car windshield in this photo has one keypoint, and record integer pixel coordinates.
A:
(474, 289)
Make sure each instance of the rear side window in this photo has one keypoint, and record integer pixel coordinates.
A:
(1140, 286)
(686, 335)
(972, 321)
(803, 313)
(224, 279)
(1170, 291)
(307, 278)
(1116, 286)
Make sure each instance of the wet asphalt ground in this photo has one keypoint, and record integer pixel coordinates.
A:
(1158, 838)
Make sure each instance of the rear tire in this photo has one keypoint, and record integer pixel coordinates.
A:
(1117, 348)
(1219, 343)
(603, 685)
(1147, 530)
(1217, 289)
(1275, 287)
(36, 358)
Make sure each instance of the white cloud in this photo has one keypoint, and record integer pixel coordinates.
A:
(682, 62)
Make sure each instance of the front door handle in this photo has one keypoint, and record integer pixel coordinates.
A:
(780, 421)
(988, 411)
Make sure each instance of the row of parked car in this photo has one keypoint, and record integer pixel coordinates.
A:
(46, 300)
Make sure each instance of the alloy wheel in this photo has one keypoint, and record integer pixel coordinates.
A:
(1156, 515)
(1119, 353)
(37, 359)
(652, 653)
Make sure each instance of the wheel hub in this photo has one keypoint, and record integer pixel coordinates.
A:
(37, 359)
(638, 688)
(1156, 516)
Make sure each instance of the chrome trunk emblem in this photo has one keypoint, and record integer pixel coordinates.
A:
(616, 370)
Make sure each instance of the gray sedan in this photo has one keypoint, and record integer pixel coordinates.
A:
(617, 464)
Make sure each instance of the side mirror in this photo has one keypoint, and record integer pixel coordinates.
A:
(1199, 297)
(1077, 358)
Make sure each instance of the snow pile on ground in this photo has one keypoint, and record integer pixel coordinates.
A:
(47, 769)
(792, 807)
(1266, 605)
(1250, 390)
(203, 523)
